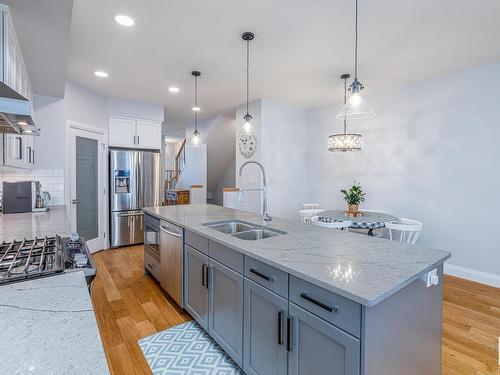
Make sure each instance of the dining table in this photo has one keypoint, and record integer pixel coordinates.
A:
(369, 220)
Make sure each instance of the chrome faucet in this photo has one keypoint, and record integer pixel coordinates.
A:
(266, 219)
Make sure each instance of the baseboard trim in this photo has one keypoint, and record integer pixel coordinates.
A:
(474, 275)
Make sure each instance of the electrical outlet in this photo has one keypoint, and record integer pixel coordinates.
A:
(431, 278)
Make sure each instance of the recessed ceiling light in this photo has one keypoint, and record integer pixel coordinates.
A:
(173, 89)
(101, 74)
(124, 20)
(196, 109)
(27, 131)
(22, 123)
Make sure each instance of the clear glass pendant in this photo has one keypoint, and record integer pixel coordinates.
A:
(356, 107)
(247, 127)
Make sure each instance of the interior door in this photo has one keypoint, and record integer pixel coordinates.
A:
(87, 158)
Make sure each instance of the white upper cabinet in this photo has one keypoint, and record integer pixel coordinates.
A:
(132, 133)
(122, 132)
(148, 134)
(14, 72)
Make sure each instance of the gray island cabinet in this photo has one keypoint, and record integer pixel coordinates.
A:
(272, 320)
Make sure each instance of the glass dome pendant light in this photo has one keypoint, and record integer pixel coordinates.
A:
(345, 142)
(356, 107)
(247, 128)
(196, 134)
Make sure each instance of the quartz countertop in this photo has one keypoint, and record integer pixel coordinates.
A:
(362, 268)
(48, 327)
(34, 224)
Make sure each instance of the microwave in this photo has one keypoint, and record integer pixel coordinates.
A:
(19, 196)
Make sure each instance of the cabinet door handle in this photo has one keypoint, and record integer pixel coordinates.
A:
(29, 154)
(207, 277)
(134, 139)
(280, 327)
(33, 157)
(289, 326)
(261, 275)
(333, 309)
(138, 142)
(203, 274)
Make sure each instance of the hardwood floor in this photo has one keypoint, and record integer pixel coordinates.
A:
(129, 305)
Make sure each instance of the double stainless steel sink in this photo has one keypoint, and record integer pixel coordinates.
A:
(243, 230)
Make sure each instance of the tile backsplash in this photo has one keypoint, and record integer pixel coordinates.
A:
(52, 181)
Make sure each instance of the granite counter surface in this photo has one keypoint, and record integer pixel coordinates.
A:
(30, 224)
(362, 268)
(48, 327)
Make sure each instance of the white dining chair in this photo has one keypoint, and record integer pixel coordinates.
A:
(306, 215)
(409, 230)
(310, 206)
(340, 225)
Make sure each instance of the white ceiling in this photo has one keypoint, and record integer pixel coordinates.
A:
(43, 30)
(301, 47)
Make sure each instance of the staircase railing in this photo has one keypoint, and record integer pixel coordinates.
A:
(179, 165)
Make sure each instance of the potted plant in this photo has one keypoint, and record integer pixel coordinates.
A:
(354, 196)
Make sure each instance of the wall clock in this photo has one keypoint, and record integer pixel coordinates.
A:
(247, 145)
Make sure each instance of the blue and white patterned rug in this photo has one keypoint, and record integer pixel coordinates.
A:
(186, 349)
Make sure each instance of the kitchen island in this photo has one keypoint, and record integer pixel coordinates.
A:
(343, 302)
(48, 327)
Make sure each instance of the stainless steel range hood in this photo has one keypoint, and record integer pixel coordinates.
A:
(15, 113)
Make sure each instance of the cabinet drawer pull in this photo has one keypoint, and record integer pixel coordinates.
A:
(150, 266)
(261, 275)
(333, 309)
(203, 274)
(280, 327)
(289, 324)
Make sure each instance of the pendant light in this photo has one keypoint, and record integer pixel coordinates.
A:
(247, 128)
(196, 108)
(345, 142)
(356, 107)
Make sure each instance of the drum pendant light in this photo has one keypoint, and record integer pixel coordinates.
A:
(356, 107)
(247, 128)
(196, 134)
(345, 142)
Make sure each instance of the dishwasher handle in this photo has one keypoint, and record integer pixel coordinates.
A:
(166, 231)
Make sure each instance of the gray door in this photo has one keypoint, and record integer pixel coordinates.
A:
(148, 186)
(87, 215)
(264, 347)
(195, 283)
(124, 173)
(318, 347)
(226, 309)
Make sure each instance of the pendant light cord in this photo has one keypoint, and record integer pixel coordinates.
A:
(345, 101)
(356, 44)
(196, 102)
(248, 71)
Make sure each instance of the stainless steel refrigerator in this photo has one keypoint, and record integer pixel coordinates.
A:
(134, 183)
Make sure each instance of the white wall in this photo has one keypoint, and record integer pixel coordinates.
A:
(50, 152)
(85, 106)
(135, 109)
(430, 154)
(195, 172)
(282, 135)
(285, 157)
(225, 181)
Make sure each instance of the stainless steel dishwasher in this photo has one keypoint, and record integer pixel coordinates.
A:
(172, 261)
